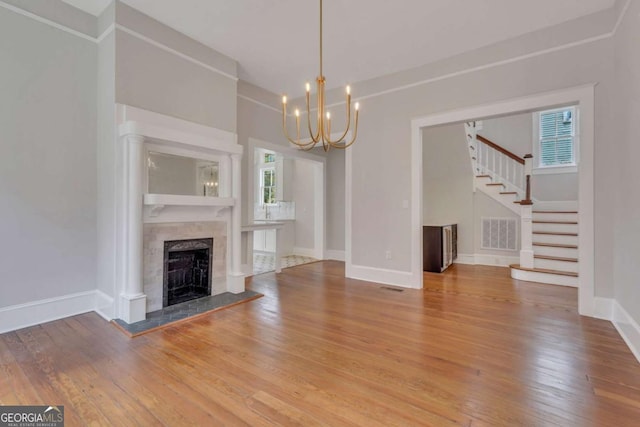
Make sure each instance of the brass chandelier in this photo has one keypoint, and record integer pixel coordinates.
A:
(323, 123)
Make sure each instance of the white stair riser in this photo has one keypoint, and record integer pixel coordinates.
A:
(554, 238)
(551, 264)
(556, 228)
(537, 216)
(493, 191)
(552, 279)
(557, 252)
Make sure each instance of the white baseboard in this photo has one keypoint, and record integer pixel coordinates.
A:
(628, 328)
(309, 252)
(33, 313)
(381, 275)
(336, 255)
(482, 259)
(603, 308)
(105, 306)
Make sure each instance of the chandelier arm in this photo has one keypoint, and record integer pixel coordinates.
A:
(344, 134)
(355, 134)
(286, 132)
(315, 138)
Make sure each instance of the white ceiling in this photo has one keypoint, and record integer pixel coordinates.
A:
(276, 41)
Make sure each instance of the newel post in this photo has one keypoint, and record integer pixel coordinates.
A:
(526, 217)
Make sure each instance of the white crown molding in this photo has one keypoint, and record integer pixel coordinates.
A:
(262, 104)
(110, 29)
(48, 22)
(623, 13)
(173, 51)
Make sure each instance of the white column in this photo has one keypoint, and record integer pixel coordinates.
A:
(235, 277)
(133, 298)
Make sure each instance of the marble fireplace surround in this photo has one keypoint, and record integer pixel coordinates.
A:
(154, 237)
(143, 218)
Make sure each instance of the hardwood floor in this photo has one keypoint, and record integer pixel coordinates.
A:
(474, 348)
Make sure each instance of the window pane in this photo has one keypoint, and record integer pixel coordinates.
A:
(556, 137)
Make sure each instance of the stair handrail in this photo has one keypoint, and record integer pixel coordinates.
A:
(489, 158)
(500, 149)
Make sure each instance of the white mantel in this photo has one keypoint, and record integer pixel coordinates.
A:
(139, 130)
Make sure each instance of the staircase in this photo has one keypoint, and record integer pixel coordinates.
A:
(549, 236)
(555, 247)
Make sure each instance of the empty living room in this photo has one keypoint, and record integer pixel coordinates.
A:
(319, 212)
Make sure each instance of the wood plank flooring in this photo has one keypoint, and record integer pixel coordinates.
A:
(473, 348)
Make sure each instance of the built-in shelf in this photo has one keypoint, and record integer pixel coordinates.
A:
(157, 202)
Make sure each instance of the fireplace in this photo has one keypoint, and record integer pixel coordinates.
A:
(187, 270)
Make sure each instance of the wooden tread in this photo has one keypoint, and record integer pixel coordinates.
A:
(508, 192)
(495, 183)
(555, 245)
(556, 212)
(555, 233)
(483, 176)
(544, 270)
(556, 258)
(556, 222)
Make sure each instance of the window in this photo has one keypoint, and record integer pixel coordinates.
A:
(269, 158)
(268, 186)
(556, 136)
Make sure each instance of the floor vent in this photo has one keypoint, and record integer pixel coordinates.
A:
(392, 289)
(499, 233)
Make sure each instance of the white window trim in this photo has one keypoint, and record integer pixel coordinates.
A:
(556, 169)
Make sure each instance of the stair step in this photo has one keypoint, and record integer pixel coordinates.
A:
(494, 183)
(556, 212)
(508, 192)
(544, 270)
(556, 258)
(555, 222)
(555, 233)
(483, 176)
(555, 245)
(555, 238)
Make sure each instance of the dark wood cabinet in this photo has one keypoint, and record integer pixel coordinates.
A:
(440, 247)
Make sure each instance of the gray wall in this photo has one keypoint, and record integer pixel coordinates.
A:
(155, 79)
(303, 195)
(335, 200)
(515, 133)
(385, 132)
(625, 173)
(47, 161)
(106, 164)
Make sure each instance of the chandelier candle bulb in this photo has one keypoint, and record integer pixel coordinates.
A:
(322, 125)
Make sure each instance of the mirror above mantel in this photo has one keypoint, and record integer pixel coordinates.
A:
(180, 175)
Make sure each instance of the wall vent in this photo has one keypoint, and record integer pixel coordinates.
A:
(500, 233)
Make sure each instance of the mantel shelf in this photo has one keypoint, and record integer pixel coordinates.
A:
(176, 200)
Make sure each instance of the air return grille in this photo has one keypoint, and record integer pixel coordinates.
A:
(499, 233)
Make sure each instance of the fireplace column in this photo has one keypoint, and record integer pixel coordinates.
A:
(133, 299)
(235, 277)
